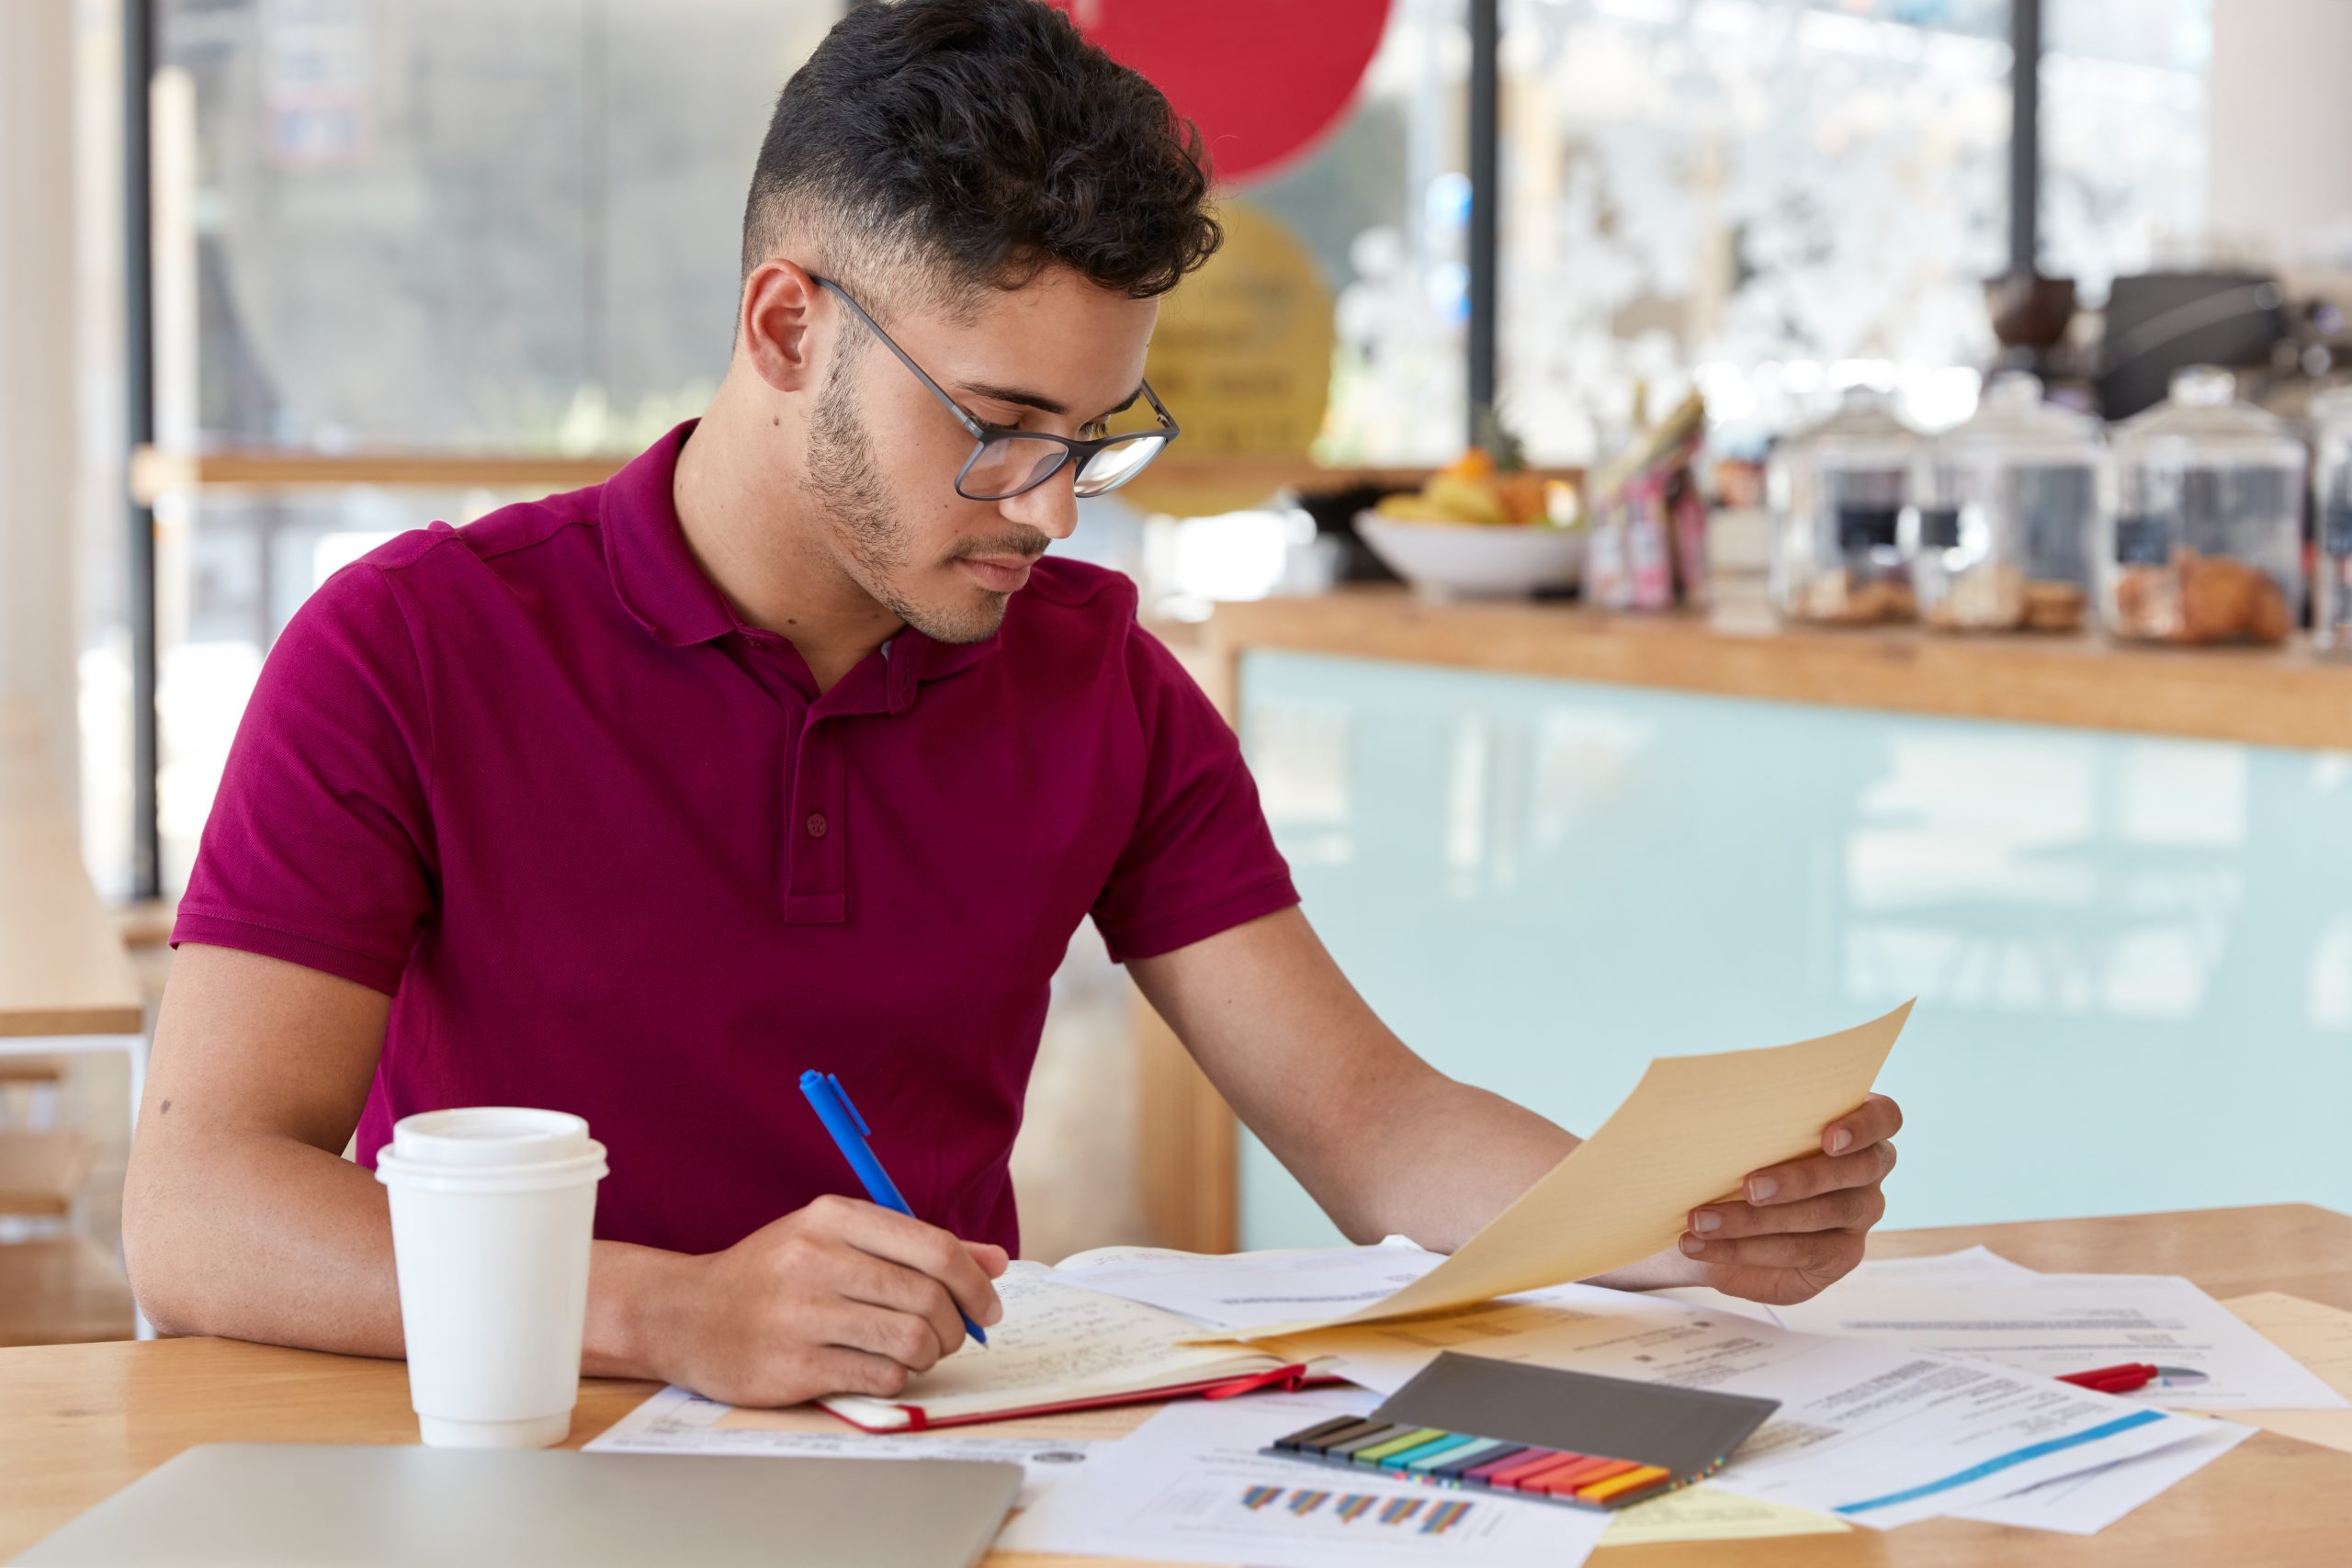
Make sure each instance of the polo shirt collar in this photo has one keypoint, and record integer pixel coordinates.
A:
(662, 585)
(655, 575)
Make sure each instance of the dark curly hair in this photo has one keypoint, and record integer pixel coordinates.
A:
(982, 141)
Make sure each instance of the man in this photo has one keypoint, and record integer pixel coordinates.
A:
(788, 747)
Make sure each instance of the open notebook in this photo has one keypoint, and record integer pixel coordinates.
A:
(1059, 1348)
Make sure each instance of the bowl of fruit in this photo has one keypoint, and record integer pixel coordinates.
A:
(1480, 528)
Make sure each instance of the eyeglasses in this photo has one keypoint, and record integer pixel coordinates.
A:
(1007, 461)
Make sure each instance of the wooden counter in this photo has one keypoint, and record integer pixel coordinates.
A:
(86, 1421)
(2264, 697)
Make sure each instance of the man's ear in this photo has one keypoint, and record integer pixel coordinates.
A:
(777, 326)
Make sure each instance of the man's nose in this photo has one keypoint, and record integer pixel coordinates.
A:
(1051, 508)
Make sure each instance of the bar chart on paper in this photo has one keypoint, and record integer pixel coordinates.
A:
(1379, 1526)
(1419, 1516)
(1192, 1485)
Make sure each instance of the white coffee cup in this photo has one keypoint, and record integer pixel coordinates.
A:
(494, 1207)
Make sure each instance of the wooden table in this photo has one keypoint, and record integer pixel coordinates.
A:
(83, 1420)
(66, 983)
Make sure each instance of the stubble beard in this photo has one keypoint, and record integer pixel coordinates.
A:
(844, 482)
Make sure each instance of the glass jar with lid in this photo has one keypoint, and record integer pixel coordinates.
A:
(2331, 601)
(1999, 537)
(2205, 541)
(1837, 491)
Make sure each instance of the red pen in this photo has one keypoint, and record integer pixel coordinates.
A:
(2113, 1379)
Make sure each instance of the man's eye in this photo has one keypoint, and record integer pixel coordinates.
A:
(1095, 430)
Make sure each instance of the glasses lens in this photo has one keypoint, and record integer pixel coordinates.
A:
(1117, 463)
(1008, 465)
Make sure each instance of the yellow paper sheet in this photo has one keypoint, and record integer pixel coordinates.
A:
(1701, 1513)
(2320, 1338)
(1690, 1131)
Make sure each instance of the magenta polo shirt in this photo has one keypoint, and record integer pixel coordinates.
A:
(608, 851)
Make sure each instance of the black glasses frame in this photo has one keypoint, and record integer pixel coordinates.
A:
(1076, 451)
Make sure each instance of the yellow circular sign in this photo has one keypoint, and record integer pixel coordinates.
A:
(1243, 358)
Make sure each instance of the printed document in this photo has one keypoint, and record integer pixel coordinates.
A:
(1246, 1291)
(1875, 1433)
(2088, 1503)
(676, 1422)
(2055, 1324)
(1972, 1263)
(1190, 1486)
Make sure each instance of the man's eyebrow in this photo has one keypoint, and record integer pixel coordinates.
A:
(996, 394)
(1127, 404)
(1023, 397)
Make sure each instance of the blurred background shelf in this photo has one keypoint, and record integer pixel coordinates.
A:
(40, 1174)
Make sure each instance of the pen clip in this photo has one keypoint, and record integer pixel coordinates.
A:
(847, 1104)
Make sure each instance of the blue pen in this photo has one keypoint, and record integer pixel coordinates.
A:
(830, 1102)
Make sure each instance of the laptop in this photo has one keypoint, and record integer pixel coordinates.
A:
(267, 1504)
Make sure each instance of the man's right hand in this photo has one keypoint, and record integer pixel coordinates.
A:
(841, 1297)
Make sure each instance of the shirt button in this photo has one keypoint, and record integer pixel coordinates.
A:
(816, 824)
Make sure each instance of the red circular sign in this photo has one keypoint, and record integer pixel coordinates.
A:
(1263, 79)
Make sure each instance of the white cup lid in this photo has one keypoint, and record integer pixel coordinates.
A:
(490, 1135)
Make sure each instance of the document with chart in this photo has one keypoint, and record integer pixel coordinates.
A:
(1878, 1434)
(1190, 1486)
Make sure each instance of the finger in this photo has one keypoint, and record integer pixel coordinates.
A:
(1876, 1119)
(898, 1238)
(1848, 1208)
(805, 1372)
(829, 1369)
(1814, 1252)
(1817, 1174)
(898, 1288)
(993, 1259)
(904, 1337)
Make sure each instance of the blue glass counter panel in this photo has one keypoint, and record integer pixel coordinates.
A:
(2133, 956)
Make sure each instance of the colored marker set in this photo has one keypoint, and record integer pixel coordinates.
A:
(1537, 1432)
(1425, 1453)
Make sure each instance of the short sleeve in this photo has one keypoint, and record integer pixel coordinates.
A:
(319, 850)
(1200, 858)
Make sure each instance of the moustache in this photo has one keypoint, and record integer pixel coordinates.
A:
(1028, 544)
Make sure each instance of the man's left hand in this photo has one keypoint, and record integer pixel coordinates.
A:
(1801, 1227)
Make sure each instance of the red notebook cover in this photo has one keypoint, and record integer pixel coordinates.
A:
(1289, 1380)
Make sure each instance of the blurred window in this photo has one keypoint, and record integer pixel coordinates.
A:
(510, 226)
(428, 226)
(1780, 197)
(2123, 137)
(1780, 193)
(453, 225)
(1383, 204)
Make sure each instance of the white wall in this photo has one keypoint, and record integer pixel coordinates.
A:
(37, 393)
(2280, 175)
